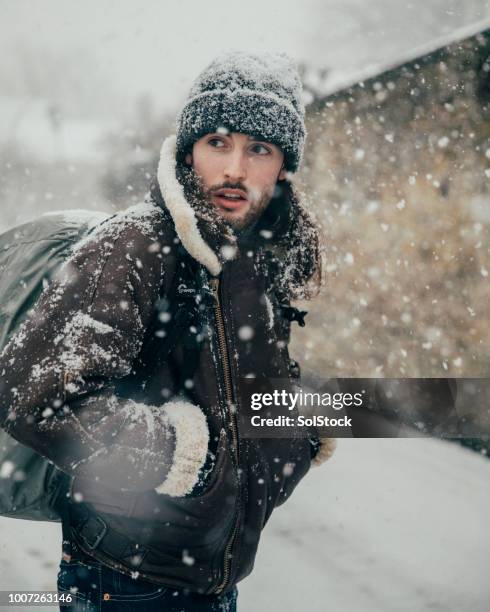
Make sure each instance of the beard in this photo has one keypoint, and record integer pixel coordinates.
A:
(285, 229)
(224, 236)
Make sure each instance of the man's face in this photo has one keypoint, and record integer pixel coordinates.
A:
(233, 164)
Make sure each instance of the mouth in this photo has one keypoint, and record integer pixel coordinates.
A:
(232, 199)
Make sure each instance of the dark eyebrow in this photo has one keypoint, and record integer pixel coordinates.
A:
(249, 138)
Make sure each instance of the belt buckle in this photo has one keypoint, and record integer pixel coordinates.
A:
(98, 538)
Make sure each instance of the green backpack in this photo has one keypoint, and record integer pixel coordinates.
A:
(29, 256)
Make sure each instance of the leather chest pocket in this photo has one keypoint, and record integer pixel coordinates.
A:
(222, 471)
(199, 524)
(211, 509)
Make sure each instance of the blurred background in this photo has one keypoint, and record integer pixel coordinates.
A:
(396, 171)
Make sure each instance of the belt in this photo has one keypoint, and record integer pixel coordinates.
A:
(93, 533)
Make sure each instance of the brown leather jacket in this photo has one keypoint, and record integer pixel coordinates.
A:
(83, 384)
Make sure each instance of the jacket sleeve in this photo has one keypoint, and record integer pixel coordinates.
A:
(391, 404)
(57, 371)
(428, 404)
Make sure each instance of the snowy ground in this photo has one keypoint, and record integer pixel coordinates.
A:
(387, 525)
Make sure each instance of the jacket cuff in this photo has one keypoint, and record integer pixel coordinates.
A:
(325, 451)
(191, 446)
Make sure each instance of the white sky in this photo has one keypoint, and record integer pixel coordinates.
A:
(95, 56)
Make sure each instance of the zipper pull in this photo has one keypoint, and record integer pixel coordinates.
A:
(214, 282)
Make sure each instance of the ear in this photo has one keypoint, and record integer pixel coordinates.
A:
(188, 159)
(282, 174)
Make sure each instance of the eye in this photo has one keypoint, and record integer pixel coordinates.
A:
(218, 140)
(265, 150)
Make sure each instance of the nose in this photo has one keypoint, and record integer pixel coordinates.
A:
(235, 169)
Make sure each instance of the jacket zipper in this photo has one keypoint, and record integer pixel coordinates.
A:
(225, 360)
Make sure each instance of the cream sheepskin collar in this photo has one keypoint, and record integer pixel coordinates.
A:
(182, 212)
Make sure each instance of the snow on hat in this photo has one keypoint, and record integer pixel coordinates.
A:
(256, 94)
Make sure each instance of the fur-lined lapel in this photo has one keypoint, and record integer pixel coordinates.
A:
(182, 212)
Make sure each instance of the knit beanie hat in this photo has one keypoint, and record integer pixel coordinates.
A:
(255, 94)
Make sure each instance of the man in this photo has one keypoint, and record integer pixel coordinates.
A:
(131, 371)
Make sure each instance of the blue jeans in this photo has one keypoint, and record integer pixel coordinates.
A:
(96, 587)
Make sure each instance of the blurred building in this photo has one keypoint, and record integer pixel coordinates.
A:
(397, 170)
